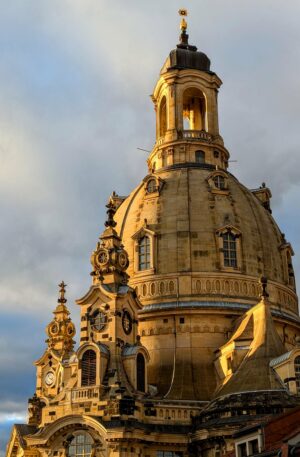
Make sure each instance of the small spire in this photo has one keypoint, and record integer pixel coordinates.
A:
(263, 281)
(62, 290)
(110, 213)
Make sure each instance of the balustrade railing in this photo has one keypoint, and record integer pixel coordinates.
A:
(189, 135)
(196, 134)
(85, 393)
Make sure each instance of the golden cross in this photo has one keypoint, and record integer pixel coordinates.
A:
(62, 289)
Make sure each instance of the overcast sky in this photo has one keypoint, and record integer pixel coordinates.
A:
(75, 79)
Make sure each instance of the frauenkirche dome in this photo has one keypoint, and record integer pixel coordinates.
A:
(198, 240)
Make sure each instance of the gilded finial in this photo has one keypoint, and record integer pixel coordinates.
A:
(110, 213)
(62, 290)
(183, 37)
(183, 23)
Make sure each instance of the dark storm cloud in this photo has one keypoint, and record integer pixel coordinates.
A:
(75, 79)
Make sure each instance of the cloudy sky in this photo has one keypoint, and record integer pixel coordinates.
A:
(75, 79)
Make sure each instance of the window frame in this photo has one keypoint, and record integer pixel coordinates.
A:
(139, 235)
(203, 155)
(212, 184)
(229, 250)
(238, 247)
(93, 381)
(144, 252)
(78, 444)
(246, 441)
(220, 182)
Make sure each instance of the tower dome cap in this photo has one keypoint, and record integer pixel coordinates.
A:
(186, 55)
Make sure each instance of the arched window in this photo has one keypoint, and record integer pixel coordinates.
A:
(81, 446)
(200, 157)
(194, 109)
(297, 373)
(140, 373)
(144, 253)
(219, 181)
(163, 117)
(229, 250)
(151, 186)
(88, 368)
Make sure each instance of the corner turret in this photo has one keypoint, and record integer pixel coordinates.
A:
(61, 329)
(110, 260)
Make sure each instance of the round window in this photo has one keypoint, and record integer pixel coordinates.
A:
(99, 320)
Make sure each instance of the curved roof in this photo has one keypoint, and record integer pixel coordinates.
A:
(185, 216)
(186, 58)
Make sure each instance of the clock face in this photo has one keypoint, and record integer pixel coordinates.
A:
(122, 259)
(50, 378)
(102, 257)
(127, 322)
(54, 329)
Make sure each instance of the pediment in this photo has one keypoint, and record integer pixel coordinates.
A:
(45, 357)
(95, 293)
(228, 228)
(142, 232)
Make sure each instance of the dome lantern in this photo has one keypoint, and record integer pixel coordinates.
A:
(185, 100)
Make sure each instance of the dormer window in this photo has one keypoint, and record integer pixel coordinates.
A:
(219, 181)
(151, 186)
(287, 253)
(291, 275)
(229, 250)
(144, 253)
(144, 250)
(229, 239)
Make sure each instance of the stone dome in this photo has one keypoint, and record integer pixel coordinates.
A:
(186, 58)
(185, 217)
(198, 241)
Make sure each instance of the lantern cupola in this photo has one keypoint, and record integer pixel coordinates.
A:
(186, 104)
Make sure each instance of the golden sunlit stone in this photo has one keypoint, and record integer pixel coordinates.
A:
(190, 329)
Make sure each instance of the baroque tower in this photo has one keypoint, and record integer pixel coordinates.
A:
(190, 329)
